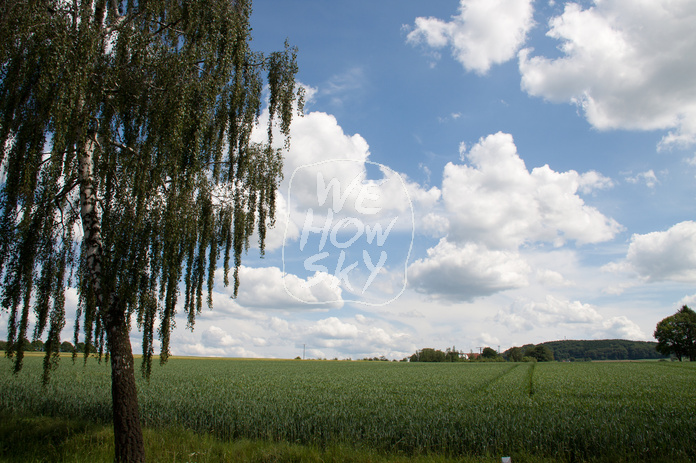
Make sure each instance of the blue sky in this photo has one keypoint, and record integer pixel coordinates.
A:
(547, 151)
(537, 159)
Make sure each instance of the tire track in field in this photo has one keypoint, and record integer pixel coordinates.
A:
(488, 384)
(530, 380)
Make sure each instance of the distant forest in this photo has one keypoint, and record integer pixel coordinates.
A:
(605, 349)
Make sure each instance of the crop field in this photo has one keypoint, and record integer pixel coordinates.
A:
(642, 411)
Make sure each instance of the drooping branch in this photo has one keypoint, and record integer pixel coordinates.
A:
(148, 109)
(65, 191)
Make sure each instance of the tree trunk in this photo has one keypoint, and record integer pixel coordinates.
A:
(128, 435)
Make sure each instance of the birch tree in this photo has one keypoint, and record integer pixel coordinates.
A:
(127, 170)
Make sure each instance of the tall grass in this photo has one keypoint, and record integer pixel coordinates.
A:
(567, 412)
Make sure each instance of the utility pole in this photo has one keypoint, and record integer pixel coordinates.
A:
(304, 349)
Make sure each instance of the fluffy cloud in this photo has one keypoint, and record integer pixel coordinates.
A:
(333, 328)
(201, 350)
(332, 193)
(591, 181)
(466, 272)
(564, 314)
(619, 328)
(551, 278)
(484, 33)
(493, 206)
(319, 146)
(625, 63)
(364, 337)
(316, 138)
(687, 300)
(663, 256)
(268, 288)
(550, 312)
(214, 341)
(325, 165)
(217, 337)
(328, 171)
(287, 334)
(496, 201)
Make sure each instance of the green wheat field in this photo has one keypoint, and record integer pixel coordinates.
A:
(586, 411)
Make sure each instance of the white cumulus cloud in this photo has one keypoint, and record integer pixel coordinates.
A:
(265, 288)
(619, 328)
(364, 338)
(626, 63)
(663, 256)
(333, 328)
(493, 206)
(592, 180)
(466, 272)
(564, 315)
(484, 33)
(217, 337)
(495, 200)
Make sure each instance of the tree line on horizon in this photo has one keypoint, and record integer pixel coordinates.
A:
(676, 336)
(565, 350)
(603, 349)
(39, 346)
(539, 353)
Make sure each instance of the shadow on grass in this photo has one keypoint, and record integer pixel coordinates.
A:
(49, 439)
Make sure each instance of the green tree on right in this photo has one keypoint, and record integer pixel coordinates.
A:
(676, 334)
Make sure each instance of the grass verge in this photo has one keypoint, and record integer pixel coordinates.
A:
(30, 439)
(44, 439)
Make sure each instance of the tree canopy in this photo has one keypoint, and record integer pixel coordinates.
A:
(127, 165)
(676, 334)
(540, 352)
(428, 354)
(514, 354)
(489, 353)
(133, 121)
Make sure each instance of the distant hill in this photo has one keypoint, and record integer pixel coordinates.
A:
(605, 349)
